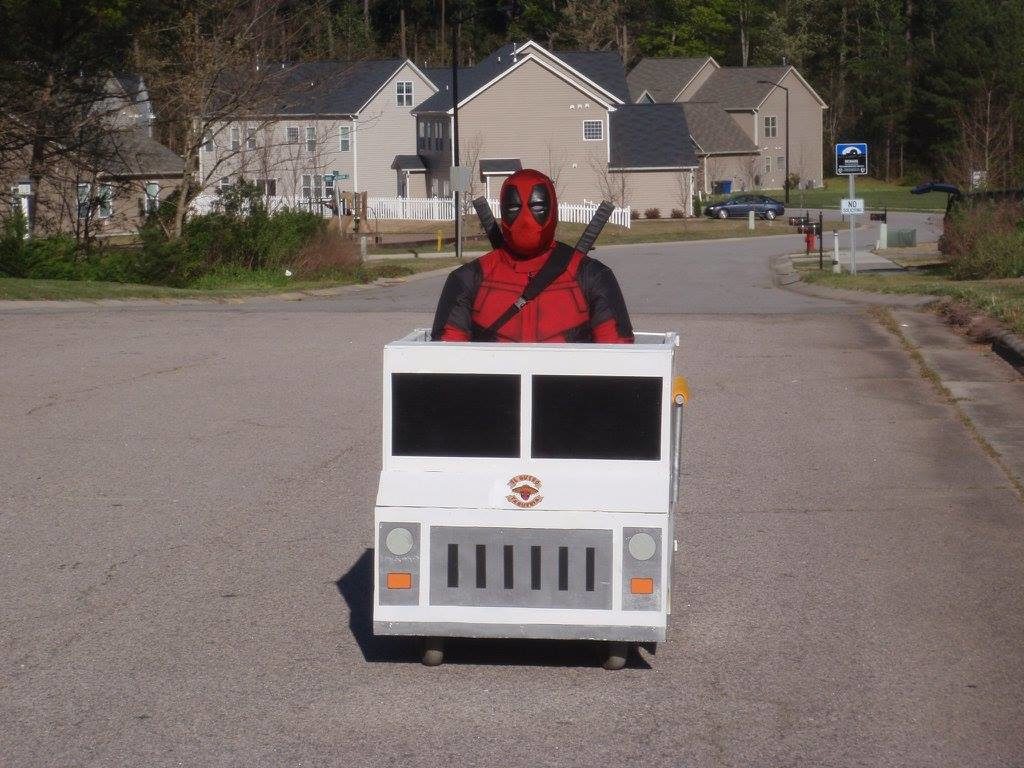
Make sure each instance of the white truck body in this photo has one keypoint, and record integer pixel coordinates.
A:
(527, 490)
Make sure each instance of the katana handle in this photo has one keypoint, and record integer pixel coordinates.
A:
(593, 230)
(483, 212)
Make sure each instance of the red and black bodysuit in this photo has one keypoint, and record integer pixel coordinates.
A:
(584, 303)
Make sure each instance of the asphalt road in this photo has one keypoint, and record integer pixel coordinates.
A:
(185, 509)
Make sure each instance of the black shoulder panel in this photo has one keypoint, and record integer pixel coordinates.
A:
(604, 296)
(455, 307)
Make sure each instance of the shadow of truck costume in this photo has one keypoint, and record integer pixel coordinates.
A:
(582, 301)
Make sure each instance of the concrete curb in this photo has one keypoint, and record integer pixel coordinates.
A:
(786, 277)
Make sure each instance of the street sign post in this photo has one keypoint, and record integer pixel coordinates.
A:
(852, 161)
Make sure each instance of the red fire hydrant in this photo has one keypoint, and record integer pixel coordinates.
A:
(809, 240)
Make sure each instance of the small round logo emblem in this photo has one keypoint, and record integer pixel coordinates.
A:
(525, 491)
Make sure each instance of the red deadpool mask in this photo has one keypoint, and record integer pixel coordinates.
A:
(529, 213)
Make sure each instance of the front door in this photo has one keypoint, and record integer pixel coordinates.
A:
(403, 184)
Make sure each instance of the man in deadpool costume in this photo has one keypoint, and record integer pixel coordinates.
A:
(583, 303)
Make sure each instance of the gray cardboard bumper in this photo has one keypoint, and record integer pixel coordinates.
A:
(524, 631)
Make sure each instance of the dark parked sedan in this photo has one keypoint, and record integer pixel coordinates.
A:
(741, 205)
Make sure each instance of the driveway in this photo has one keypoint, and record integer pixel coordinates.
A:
(185, 523)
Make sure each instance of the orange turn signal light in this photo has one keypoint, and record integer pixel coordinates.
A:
(399, 580)
(641, 586)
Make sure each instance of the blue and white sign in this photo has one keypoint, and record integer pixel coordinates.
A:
(851, 159)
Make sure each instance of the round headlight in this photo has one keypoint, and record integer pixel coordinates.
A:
(399, 541)
(642, 546)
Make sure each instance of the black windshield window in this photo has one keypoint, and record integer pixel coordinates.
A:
(454, 414)
(597, 417)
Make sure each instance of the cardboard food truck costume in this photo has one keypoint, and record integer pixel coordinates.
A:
(527, 490)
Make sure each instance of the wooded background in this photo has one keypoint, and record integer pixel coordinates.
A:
(935, 87)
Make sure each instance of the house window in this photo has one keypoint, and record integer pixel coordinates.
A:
(105, 208)
(236, 139)
(771, 127)
(767, 165)
(312, 186)
(83, 200)
(208, 141)
(311, 138)
(225, 183)
(267, 187)
(421, 141)
(152, 197)
(593, 130)
(780, 164)
(344, 138)
(250, 138)
(403, 93)
(292, 134)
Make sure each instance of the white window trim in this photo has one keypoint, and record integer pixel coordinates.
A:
(403, 96)
(344, 138)
(250, 136)
(287, 134)
(310, 129)
(592, 122)
(236, 139)
(775, 126)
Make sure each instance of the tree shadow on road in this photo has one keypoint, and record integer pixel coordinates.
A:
(356, 587)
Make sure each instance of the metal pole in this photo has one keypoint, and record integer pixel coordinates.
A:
(853, 237)
(787, 142)
(821, 238)
(455, 138)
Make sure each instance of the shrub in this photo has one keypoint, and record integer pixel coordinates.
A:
(13, 246)
(652, 213)
(678, 214)
(985, 240)
(634, 214)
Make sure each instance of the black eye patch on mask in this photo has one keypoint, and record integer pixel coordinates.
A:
(511, 204)
(540, 203)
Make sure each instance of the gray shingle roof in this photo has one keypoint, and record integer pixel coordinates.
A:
(738, 87)
(662, 78)
(603, 67)
(133, 153)
(325, 87)
(408, 163)
(650, 136)
(470, 80)
(714, 130)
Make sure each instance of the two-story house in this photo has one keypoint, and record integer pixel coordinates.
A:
(331, 123)
(755, 98)
(558, 112)
(106, 185)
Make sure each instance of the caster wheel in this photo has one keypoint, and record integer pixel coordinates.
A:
(433, 651)
(617, 653)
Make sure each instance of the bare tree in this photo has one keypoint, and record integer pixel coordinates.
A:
(209, 71)
(615, 186)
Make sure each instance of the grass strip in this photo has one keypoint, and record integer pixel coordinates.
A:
(223, 285)
(999, 299)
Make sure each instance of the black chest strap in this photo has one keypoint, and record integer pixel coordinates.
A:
(556, 264)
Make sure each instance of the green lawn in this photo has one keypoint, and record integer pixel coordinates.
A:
(877, 196)
(219, 286)
(1001, 299)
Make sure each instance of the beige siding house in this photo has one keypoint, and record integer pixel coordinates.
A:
(106, 189)
(527, 107)
(343, 127)
(755, 99)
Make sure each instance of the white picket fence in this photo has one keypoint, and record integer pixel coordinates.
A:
(417, 209)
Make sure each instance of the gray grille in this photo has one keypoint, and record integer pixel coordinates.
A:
(520, 567)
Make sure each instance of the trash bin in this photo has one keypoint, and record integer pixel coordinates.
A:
(723, 187)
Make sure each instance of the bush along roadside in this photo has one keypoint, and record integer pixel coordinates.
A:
(985, 240)
(241, 243)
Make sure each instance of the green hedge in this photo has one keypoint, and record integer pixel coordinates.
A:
(985, 241)
(211, 244)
